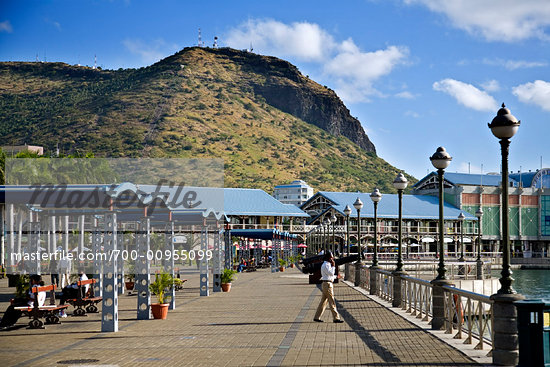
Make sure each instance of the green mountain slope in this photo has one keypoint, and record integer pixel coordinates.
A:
(267, 121)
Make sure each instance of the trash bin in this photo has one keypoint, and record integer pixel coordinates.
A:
(534, 332)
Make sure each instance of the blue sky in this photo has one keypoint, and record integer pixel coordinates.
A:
(418, 74)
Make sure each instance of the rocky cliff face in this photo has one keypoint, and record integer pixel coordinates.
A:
(286, 89)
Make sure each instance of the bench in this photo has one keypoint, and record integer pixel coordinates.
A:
(47, 312)
(88, 301)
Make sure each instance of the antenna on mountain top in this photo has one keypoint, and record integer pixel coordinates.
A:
(200, 43)
(37, 58)
(95, 61)
(251, 48)
(216, 42)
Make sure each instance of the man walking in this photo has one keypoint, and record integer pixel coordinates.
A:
(328, 270)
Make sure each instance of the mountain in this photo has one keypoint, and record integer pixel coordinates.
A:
(269, 123)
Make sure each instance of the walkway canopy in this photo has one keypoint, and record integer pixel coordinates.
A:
(262, 234)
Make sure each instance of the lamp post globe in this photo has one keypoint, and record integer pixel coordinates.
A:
(441, 160)
(400, 183)
(504, 126)
(375, 196)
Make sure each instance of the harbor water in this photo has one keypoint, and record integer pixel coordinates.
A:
(532, 283)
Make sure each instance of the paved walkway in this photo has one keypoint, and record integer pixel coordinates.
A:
(266, 320)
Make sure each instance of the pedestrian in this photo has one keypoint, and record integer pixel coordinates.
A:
(328, 271)
(53, 269)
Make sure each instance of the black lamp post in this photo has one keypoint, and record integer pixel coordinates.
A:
(504, 126)
(347, 212)
(479, 263)
(326, 226)
(461, 218)
(333, 221)
(400, 183)
(441, 160)
(358, 205)
(375, 196)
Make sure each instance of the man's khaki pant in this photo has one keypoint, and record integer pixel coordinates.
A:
(328, 295)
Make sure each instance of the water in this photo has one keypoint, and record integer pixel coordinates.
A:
(531, 283)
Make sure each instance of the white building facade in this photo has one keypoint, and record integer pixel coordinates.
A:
(297, 193)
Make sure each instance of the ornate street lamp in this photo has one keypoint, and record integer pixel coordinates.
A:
(461, 267)
(441, 160)
(347, 212)
(504, 126)
(461, 218)
(358, 205)
(479, 263)
(333, 219)
(326, 226)
(375, 196)
(400, 183)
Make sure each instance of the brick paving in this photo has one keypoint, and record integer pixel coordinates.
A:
(266, 320)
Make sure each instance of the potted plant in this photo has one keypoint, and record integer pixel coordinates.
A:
(226, 278)
(293, 259)
(130, 278)
(158, 287)
(282, 264)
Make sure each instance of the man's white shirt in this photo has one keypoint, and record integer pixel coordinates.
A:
(327, 271)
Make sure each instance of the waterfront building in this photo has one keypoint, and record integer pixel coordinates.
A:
(420, 218)
(529, 206)
(296, 193)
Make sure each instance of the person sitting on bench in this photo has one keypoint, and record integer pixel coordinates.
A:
(71, 291)
(12, 315)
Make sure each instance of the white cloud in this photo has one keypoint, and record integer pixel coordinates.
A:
(537, 93)
(490, 86)
(306, 41)
(357, 71)
(5, 26)
(149, 52)
(495, 20)
(515, 64)
(412, 114)
(351, 69)
(406, 95)
(466, 94)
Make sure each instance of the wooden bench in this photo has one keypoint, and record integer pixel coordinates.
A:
(47, 312)
(88, 301)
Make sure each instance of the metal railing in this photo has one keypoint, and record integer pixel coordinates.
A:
(468, 314)
(471, 314)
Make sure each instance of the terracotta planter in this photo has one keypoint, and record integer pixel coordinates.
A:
(282, 268)
(129, 286)
(159, 310)
(292, 265)
(226, 287)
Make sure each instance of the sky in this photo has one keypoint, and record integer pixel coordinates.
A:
(418, 74)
